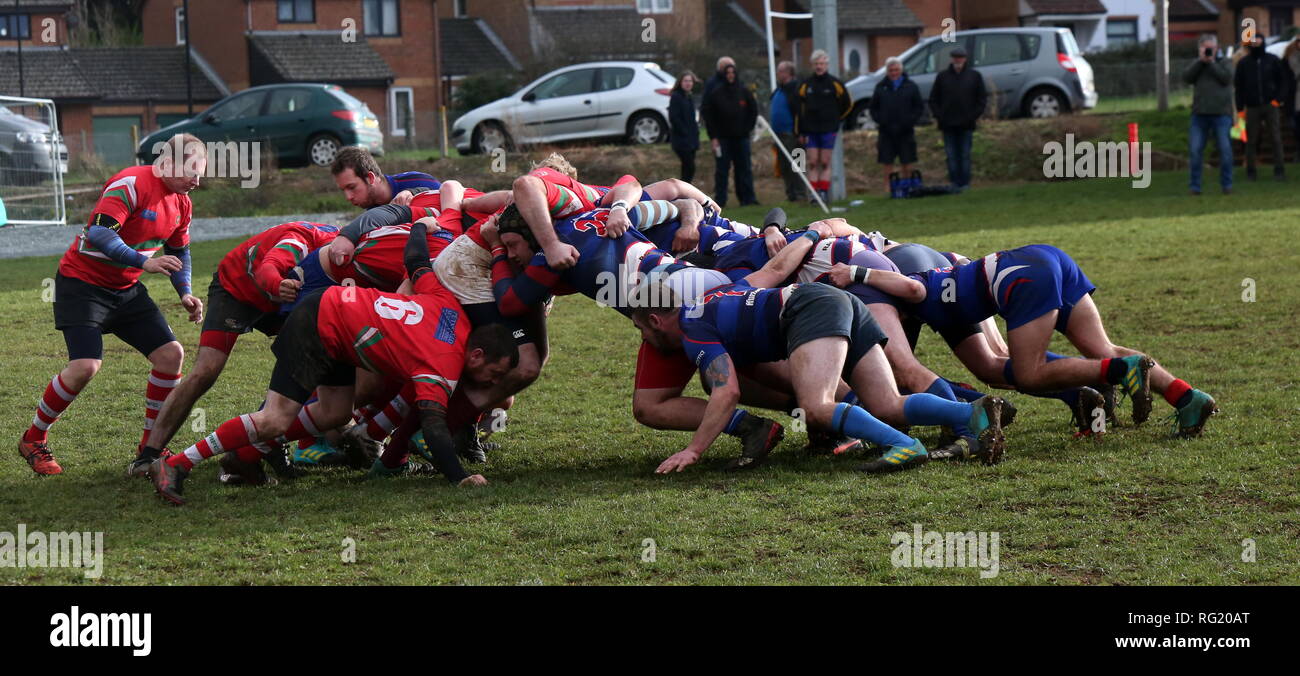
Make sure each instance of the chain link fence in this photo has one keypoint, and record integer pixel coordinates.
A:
(33, 159)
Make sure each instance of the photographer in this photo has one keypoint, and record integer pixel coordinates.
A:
(1211, 78)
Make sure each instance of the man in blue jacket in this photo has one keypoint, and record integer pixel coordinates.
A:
(782, 113)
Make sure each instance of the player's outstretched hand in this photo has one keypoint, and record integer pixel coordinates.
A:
(194, 306)
(561, 256)
(617, 223)
(289, 290)
(841, 275)
(341, 250)
(775, 241)
(403, 198)
(472, 480)
(162, 265)
(678, 462)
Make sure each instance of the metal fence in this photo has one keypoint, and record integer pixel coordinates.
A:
(33, 160)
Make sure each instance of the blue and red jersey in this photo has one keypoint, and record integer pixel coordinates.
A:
(410, 180)
(737, 320)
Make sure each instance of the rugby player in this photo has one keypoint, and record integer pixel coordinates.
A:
(357, 174)
(424, 338)
(1039, 289)
(97, 289)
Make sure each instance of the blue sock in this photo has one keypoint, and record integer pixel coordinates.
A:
(736, 418)
(1067, 396)
(940, 388)
(963, 393)
(927, 409)
(851, 399)
(856, 422)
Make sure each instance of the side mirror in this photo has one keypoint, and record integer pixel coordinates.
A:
(209, 118)
(529, 97)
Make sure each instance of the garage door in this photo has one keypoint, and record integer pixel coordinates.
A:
(113, 140)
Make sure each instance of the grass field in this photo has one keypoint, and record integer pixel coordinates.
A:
(573, 496)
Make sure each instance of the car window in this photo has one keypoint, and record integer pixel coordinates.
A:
(288, 101)
(996, 48)
(920, 63)
(941, 56)
(571, 83)
(1029, 44)
(615, 78)
(244, 105)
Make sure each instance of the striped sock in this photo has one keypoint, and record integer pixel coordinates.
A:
(160, 385)
(382, 424)
(57, 397)
(230, 435)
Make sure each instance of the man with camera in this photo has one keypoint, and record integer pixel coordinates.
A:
(1211, 78)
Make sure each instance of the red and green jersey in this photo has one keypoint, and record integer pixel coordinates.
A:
(149, 215)
(565, 196)
(419, 338)
(378, 261)
(430, 204)
(244, 273)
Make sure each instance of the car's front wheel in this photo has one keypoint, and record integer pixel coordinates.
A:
(322, 149)
(1044, 102)
(646, 128)
(489, 136)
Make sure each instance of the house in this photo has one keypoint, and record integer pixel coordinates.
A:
(106, 98)
(400, 57)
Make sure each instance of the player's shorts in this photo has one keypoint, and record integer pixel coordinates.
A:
(484, 314)
(85, 311)
(1033, 280)
(301, 362)
(865, 292)
(658, 371)
(819, 311)
(226, 318)
(896, 146)
(913, 258)
(826, 140)
(465, 268)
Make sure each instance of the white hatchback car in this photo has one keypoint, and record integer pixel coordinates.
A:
(606, 99)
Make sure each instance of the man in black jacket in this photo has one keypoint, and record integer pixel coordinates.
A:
(957, 101)
(729, 113)
(823, 104)
(1261, 84)
(896, 106)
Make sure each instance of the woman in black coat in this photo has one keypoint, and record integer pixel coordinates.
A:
(684, 129)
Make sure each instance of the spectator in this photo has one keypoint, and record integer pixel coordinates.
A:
(719, 76)
(783, 99)
(684, 129)
(824, 102)
(896, 106)
(729, 113)
(1291, 60)
(1211, 79)
(1261, 84)
(358, 175)
(957, 100)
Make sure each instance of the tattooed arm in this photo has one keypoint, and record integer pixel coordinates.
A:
(724, 394)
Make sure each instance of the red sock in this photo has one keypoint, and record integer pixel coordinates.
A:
(303, 427)
(398, 450)
(382, 424)
(231, 435)
(57, 397)
(1175, 391)
(160, 385)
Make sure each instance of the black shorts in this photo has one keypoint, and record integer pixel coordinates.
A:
(85, 311)
(485, 314)
(224, 312)
(818, 311)
(301, 362)
(901, 146)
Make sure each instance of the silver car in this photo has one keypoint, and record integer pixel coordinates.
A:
(1036, 72)
(29, 150)
(606, 99)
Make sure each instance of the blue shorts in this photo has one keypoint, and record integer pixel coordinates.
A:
(826, 140)
(1034, 280)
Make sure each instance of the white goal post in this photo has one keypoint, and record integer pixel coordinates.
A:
(33, 160)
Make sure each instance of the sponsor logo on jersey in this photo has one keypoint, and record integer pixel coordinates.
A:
(151, 215)
(447, 326)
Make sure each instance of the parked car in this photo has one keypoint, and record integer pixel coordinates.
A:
(607, 99)
(29, 150)
(302, 123)
(1036, 72)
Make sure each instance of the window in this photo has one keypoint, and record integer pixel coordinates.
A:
(931, 58)
(996, 48)
(615, 78)
(401, 111)
(459, 10)
(284, 101)
(572, 83)
(1030, 45)
(15, 27)
(239, 107)
(855, 61)
(654, 6)
(381, 18)
(1121, 32)
(180, 25)
(296, 11)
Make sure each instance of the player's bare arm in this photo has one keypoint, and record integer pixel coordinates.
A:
(787, 261)
(619, 200)
(892, 283)
(724, 396)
